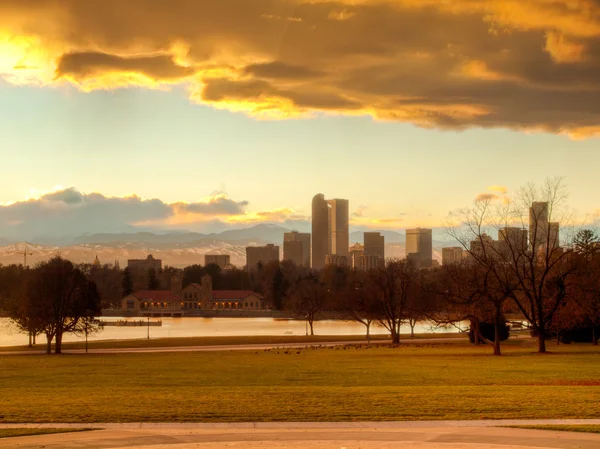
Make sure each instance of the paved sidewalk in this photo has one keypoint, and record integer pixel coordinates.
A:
(365, 435)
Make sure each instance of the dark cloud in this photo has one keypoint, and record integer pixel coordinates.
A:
(279, 70)
(88, 64)
(487, 63)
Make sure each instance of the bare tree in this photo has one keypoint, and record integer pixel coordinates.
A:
(309, 298)
(528, 264)
(356, 301)
(393, 285)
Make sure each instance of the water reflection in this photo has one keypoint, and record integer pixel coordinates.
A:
(214, 327)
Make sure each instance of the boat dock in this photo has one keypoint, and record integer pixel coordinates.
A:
(123, 323)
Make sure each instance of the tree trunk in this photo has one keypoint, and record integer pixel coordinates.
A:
(48, 343)
(395, 337)
(30, 344)
(594, 335)
(497, 324)
(368, 332)
(58, 345)
(476, 333)
(310, 323)
(34, 335)
(412, 328)
(541, 342)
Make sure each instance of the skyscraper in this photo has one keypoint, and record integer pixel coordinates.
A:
(374, 244)
(538, 224)
(452, 255)
(320, 233)
(338, 220)
(512, 241)
(298, 256)
(261, 254)
(419, 246)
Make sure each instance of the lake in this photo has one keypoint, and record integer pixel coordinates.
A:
(211, 327)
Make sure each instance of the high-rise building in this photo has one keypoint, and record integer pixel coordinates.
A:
(374, 244)
(512, 241)
(452, 255)
(338, 226)
(419, 246)
(293, 251)
(300, 256)
(140, 266)
(222, 260)
(336, 260)
(538, 224)
(320, 231)
(355, 258)
(261, 254)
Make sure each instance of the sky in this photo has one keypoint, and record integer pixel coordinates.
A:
(203, 116)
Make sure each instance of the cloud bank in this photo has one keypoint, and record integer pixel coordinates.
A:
(521, 64)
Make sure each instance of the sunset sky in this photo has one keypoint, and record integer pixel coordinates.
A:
(204, 115)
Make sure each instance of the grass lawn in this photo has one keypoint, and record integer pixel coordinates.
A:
(212, 341)
(7, 433)
(565, 427)
(413, 382)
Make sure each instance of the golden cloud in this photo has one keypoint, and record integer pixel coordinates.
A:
(519, 64)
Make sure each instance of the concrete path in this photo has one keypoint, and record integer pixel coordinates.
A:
(248, 347)
(417, 435)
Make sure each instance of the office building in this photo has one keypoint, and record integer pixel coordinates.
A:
(538, 224)
(452, 255)
(374, 244)
(320, 231)
(299, 254)
(293, 251)
(419, 247)
(338, 226)
(512, 241)
(262, 255)
(336, 260)
(142, 266)
(222, 260)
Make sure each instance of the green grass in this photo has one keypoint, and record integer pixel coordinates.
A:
(21, 432)
(563, 428)
(337, 384)
(213, 341)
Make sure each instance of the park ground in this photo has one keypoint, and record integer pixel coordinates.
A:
(343, 383)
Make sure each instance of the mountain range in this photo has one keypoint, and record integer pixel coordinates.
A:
(175, 248)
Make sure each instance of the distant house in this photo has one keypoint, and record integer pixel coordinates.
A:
(193, 297)
(238, 299)
(151, 299)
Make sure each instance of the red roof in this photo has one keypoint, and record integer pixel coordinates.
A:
(234, 294)
(157, 295)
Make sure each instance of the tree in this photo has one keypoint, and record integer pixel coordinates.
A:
(356, 301)
(62, 300)
(153, 282)
(587, 294)
(277, 290)
(127, 283)
(192, 274)
(536, 272)
(393, 285)
(586, 243)
(309, 298)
